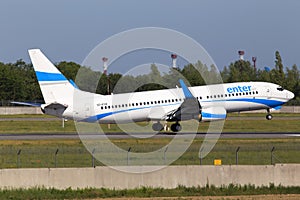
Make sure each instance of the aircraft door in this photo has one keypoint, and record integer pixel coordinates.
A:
(268, 92)
(87, 110)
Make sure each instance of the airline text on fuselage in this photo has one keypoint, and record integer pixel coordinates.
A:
(239, 89)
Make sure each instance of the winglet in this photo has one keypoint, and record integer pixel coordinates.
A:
(185, 89)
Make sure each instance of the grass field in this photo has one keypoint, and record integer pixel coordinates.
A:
(181, 192)
(236, 123)
(72, 153)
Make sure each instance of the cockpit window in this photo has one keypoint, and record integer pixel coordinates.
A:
(280, 89)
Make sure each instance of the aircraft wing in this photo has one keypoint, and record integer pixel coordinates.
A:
(189, 109)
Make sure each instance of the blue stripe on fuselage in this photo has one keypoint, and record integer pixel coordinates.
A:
(100, 116)
(267, 102)
(45, 76)
(210, 115)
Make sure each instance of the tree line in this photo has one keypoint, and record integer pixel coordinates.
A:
(18, 81)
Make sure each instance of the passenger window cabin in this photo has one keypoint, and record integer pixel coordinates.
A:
(215, 96)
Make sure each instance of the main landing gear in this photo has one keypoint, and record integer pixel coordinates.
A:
(176, 127)
(269, 116)
(157, 126)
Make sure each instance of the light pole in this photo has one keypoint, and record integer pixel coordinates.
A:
(237, 156)
(128, 155)
(56, 152)
(165, 154)
(272, 150)
(200, 155)
(93, 158)
(18, 159)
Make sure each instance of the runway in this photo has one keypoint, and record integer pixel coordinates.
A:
(120, 135)
(48, 136)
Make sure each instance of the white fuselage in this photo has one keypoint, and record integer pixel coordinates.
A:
(154, 105)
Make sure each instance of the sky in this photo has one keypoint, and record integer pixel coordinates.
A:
(68, 30)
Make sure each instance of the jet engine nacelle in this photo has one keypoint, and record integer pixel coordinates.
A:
(213, 114)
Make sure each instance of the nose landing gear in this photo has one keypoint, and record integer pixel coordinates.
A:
(269, 116)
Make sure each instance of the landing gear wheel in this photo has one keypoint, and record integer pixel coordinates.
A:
(176, 127)
(157, 126)
(269, 117)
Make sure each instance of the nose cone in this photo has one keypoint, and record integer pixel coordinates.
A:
(289, 94)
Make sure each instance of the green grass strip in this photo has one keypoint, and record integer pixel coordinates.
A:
(180, 191)
(72, 153)
(240, 124)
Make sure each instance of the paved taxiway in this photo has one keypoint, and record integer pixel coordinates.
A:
(44, 136)
(228, 118)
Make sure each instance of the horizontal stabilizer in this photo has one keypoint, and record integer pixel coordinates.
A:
(26, 104)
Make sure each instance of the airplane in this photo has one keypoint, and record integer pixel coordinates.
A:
(202, 103)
